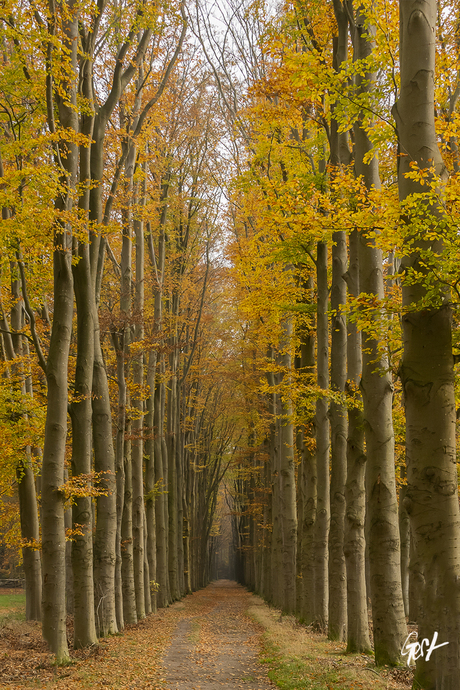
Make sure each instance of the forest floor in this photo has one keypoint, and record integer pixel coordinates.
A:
(220, 638)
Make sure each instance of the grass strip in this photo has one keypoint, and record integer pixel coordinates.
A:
(300, 659)
(12, 608)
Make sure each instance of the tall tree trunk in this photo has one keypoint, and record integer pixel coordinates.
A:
(127, 555)
(138, 422)
(120, 475)
(53, 527)
(404, 536)
(172, 477)
(267, 532)
(81, 413)
(307, 473)
(107, 527)
(147, 592)
(28, 508)
(306, 481)
(276, 540)
(355, 492)
(81, 416)
(427, 370)
(156, 472)
(377, 391)
(322, 445)
(287, 475)
(106, 506)
(28, 512)
(180, 492)
(150, 494)
(160, 508)
(299, 440)
(68, 558)
(337, 568)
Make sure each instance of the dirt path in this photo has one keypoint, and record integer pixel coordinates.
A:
(204, 642)
(217, 649)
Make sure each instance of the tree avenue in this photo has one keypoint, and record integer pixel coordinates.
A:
(228, 292)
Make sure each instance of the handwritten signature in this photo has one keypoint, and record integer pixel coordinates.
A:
(415, 650)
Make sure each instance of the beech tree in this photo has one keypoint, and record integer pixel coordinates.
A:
(427, 366)
(384, 554)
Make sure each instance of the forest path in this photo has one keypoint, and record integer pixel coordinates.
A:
(217, 649)
(203, 642)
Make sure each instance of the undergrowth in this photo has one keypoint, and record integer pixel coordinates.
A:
(300, 659)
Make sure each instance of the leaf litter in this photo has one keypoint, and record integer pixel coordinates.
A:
(220, 641)
(207, 641)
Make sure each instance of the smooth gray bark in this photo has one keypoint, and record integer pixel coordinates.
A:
(127, 556)
(106, 507)
(127, 545)
(28, 508)
(53, 528)
(427, 371)
(120, 475)
(337, 567)
(337, 575)
(137, 428)
(307, 476)
(150, 494)
(377, 390)
(52, 514)
(358, 640)
(288, 512)
(81, 415)
(322, 444)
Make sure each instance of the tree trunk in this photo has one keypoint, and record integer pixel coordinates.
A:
(322, 446)
(377, 390)
(81, 412)
(180, 494)
(107, 526)
(106, 507)
(427, 370)
(138, 423)
(172, 478)
(28, 512)
(120, 475)
(28, 508)
(404, 536)
(276, 540)
(340, 155)
(337, 567)
(147, 593)
(150, 494)
(80, 408)
(127, 556)
(53, 526)
(68, 558)
(161, 499)
(355, 492)
(156, 472)
(287, 475)
(307, 477)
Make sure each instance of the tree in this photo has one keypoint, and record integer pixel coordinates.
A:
(382, 508)
(56, 366)
(427, 366)
(340, 155)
